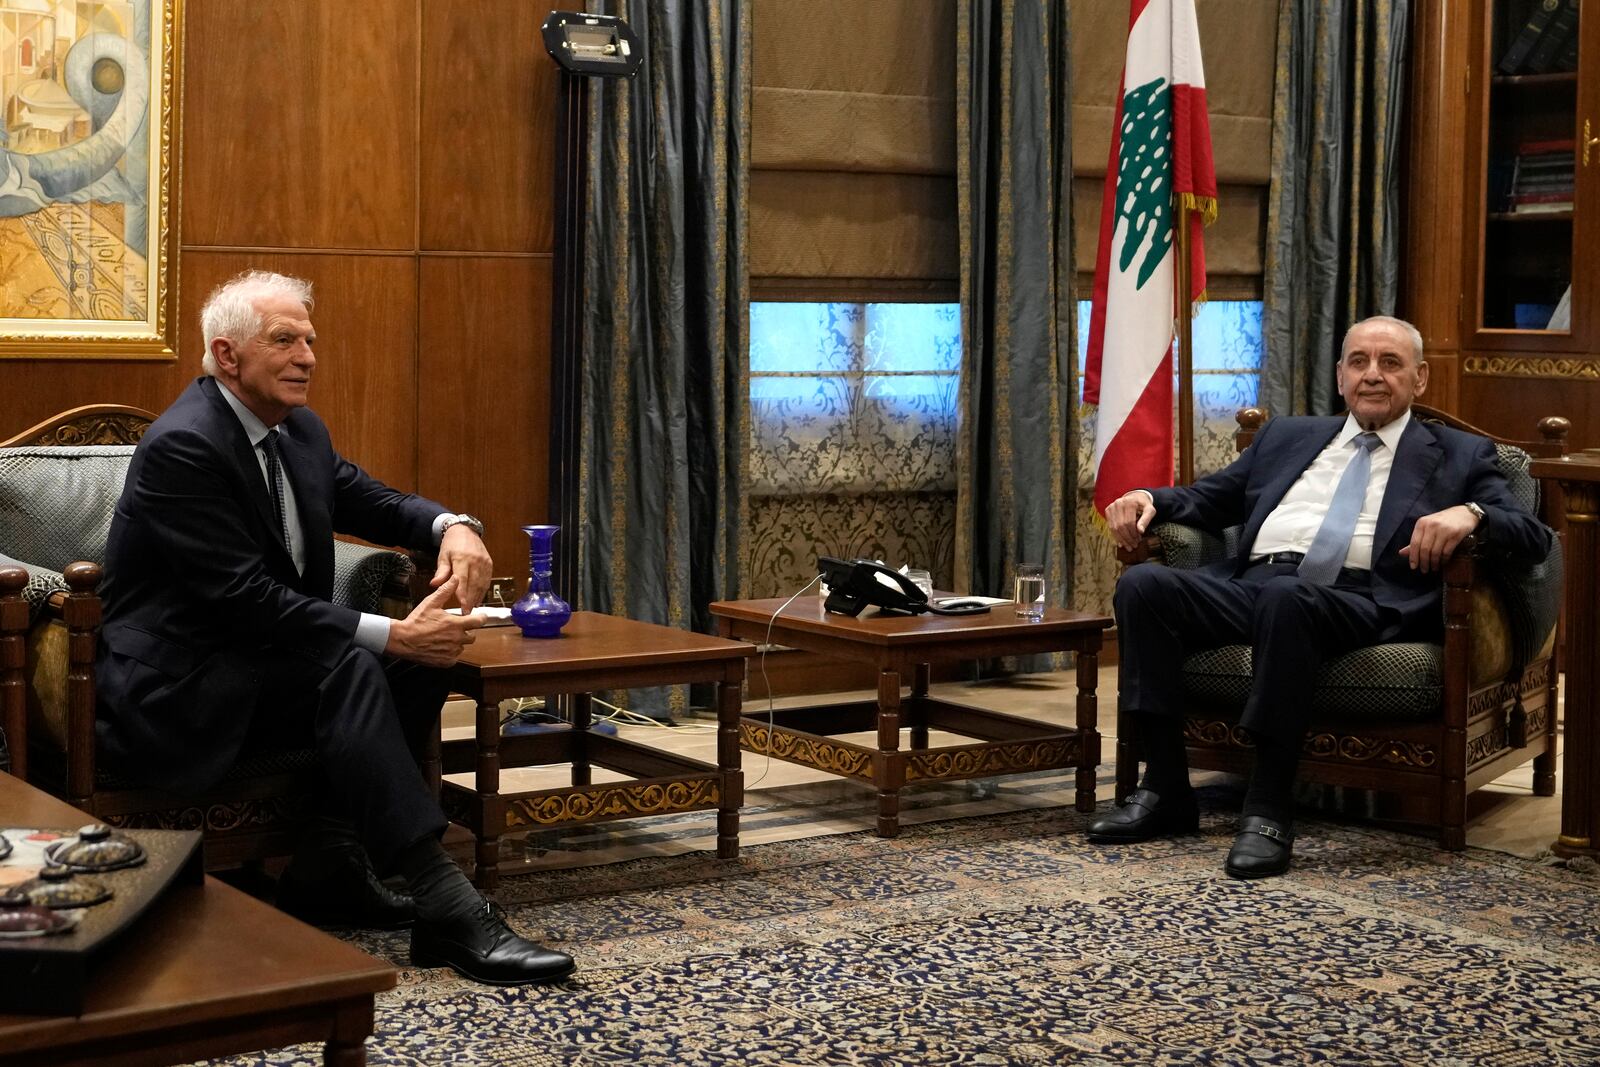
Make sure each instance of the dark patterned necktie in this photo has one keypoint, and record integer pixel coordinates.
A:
(1325, 557)
(269, 446)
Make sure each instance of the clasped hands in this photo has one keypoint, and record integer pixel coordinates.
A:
(1433, 538)
(431, 635)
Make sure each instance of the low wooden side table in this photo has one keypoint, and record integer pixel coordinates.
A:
(594, 652)
(1578, 475)
(905, 648)
(207, 971)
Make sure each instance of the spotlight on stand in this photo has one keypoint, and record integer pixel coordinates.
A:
(584, 46)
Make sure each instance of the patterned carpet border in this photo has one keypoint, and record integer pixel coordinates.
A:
(1008, 940)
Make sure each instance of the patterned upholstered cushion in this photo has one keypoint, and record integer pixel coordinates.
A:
(56, 502)
(1188, 547)
(41, 583)
(1402, 680)
(362, 575)
(1524, 486)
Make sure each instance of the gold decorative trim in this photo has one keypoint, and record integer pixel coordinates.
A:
(238, 817)
(613, 802)
(1535, 678)
(1530, 367)
(995, 759)
(96, 430)
(823, 755)
(1349, 747)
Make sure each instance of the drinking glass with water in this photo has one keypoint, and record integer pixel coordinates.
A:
(1028, 591)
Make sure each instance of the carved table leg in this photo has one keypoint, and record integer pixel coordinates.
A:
(917, 713)
(1580, 785)
(1088, 722)
(582, 706)
(729, 705)
(891, 770)
(491, 820)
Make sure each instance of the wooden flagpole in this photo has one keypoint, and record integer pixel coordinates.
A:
(1185, 314)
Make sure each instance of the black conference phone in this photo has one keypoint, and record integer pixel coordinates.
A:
(856, 584)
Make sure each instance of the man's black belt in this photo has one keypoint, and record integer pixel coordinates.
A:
(1346, 574)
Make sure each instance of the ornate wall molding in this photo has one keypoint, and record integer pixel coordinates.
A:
(1530, 367)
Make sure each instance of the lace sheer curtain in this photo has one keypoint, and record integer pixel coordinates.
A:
(852, 442)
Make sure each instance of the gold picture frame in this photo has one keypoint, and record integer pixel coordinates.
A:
(89, 176)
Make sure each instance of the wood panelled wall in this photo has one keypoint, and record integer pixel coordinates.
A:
(398, 154)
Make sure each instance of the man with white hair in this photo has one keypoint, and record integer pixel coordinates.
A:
(219, 637)
(1347, 523)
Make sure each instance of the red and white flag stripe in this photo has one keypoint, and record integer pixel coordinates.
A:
(1160, 160)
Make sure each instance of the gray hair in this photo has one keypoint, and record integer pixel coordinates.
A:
(1410, 331)
(230, 310)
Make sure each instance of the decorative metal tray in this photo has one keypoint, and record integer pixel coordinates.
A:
(66, 894)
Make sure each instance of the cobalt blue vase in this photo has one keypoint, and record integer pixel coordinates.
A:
(540, 613)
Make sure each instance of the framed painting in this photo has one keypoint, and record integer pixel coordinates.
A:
(89, 126)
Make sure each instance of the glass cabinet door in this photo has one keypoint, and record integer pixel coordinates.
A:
(1533, 149)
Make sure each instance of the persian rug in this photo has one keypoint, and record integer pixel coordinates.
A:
(1007, 939)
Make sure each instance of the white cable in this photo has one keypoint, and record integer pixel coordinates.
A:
(771, 711)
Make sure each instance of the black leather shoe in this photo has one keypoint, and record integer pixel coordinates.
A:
(483, 948)
(1144, 815)
(1261, 850)
(338, 887)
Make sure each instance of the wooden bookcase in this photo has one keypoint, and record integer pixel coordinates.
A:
(1503, 207)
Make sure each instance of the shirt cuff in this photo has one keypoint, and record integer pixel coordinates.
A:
(438, 526)
(372, 632)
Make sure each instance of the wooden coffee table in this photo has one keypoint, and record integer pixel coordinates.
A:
(594, 652)
(207, 971)
(905, 648)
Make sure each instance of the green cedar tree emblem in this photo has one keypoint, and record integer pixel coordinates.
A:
(1144, 175)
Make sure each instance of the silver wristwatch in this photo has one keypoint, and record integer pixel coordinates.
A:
(1475, 509)
(463, 519)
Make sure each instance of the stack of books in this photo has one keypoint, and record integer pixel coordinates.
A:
(1546, 41)
(1541, 177)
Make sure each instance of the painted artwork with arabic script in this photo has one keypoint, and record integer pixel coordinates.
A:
(88, 161)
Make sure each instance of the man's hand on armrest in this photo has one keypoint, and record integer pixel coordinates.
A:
(1129, 516)
(1435, 536)
(430, 635)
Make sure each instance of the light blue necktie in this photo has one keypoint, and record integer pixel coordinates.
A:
(1328, 549)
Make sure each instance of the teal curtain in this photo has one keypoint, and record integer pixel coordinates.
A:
(665, 368)
(1333, 217)
(1015, 469)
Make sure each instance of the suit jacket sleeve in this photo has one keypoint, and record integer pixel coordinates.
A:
(1507, 527)
(366, 508)
(1216, 501)
(193, 511)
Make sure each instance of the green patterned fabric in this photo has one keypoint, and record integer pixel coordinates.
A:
(1333, 214)
(664, 410)
(1394, 681)
(1019, 371)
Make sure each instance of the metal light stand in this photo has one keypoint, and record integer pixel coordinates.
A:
(584, 46)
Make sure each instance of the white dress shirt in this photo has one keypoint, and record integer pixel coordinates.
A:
(1293, 524)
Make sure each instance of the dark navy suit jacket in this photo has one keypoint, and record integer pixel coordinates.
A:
(1435, 467)
(197, 578)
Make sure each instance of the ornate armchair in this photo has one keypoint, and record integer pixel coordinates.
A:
(59, 483)
(1427, 721)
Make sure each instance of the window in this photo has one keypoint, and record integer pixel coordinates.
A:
(853, 421)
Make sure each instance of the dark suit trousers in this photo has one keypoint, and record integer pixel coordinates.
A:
(368, 721)
(1292, 626)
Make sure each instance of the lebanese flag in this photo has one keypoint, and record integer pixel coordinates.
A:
(1160, 159)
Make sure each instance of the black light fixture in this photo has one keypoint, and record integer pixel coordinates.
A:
(584, 46)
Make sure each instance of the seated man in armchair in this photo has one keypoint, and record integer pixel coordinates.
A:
(219, 637)
(1348, 521)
